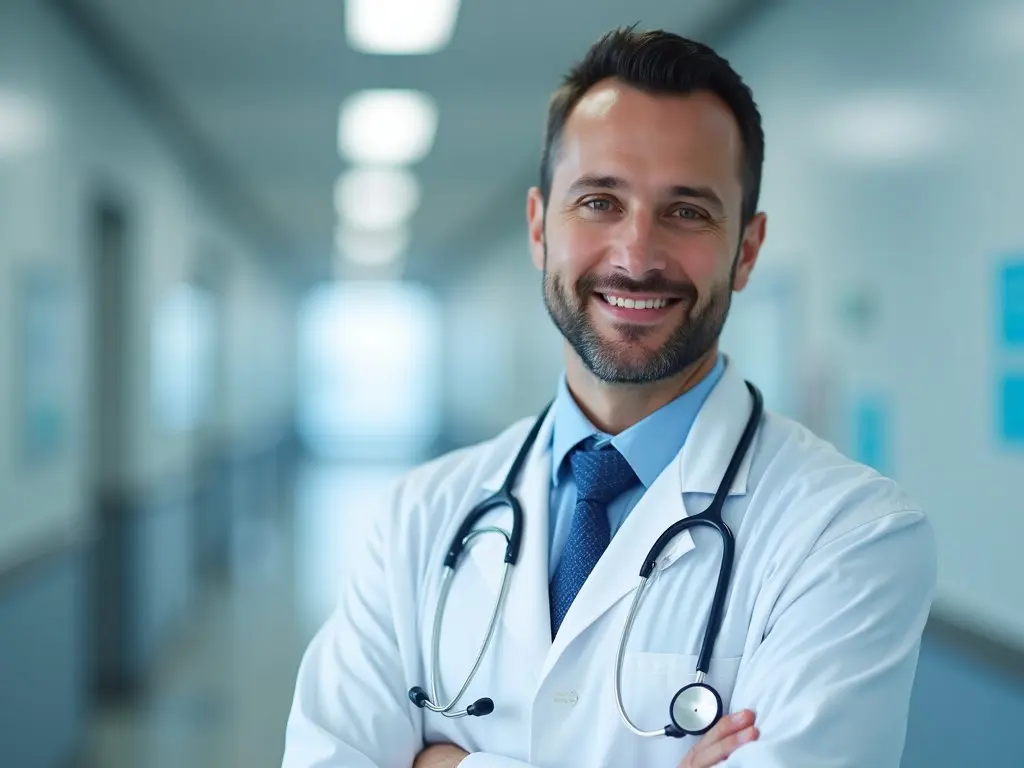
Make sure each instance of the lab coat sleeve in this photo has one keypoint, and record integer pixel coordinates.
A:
(830, 682)
(350, 707)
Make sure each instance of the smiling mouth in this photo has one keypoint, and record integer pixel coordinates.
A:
(626, 302)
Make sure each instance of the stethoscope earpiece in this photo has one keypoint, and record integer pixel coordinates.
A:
(480, 707)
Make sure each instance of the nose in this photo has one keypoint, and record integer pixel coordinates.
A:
(635, 250)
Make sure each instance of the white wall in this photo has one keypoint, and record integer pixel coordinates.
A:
(64, 128)
(503, 354)
(911, 205)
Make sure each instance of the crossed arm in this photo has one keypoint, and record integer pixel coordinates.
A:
(728, 735)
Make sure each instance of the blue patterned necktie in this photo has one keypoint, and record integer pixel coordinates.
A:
(600, 476)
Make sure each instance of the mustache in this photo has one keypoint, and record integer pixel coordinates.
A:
(654, 284)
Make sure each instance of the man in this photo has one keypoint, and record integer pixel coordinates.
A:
(644, 223)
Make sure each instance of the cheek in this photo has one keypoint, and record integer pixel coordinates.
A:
(701, 260)
(576, 250)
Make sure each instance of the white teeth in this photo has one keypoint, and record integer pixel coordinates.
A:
(618, 301)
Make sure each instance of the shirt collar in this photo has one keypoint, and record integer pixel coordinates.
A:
(648, 446)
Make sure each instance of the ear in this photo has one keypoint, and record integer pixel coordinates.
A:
(753, 238)
(535, 225)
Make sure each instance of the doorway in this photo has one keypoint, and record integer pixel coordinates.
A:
(109, 291)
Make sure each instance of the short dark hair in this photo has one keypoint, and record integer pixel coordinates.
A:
(659, 62)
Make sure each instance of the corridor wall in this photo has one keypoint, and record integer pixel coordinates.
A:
(70, 137)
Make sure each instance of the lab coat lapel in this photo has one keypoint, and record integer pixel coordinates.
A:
(526, 614)
(714, 436)
(698, 468)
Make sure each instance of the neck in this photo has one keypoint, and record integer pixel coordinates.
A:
(613, 408)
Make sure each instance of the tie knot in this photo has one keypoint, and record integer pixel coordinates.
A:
(601, 475)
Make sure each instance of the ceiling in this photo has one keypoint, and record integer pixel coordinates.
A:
(254, 89)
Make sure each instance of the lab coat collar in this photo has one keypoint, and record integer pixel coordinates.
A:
(708, 448)
(649, 445)
(715, 435)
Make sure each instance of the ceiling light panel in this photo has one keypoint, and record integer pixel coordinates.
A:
(391, 127)
(376, 198)
(400, 26)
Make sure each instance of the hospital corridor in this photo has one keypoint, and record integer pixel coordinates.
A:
(261, 260)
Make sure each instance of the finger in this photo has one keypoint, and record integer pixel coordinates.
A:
(726, 726)
(721, 749)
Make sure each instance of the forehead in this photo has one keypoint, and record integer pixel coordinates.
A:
(670, 139)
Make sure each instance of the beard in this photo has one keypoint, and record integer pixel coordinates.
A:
(627, 360)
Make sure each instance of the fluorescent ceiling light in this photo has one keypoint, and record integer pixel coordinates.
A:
(393, 127)
(886, 127)
(372, 248)
(376, 198)
(400, 26)
(23, 124)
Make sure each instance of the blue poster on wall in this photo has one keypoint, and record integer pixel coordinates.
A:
(1009, 385)
(1011, 301)
(43, 367)
(870, 433)
(1011, 402)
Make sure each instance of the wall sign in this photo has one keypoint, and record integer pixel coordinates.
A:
(1009, 384)
(871, 433)
(1011, 301)
(44, 365)
(1011, 400)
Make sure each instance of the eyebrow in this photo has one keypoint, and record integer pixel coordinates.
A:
(613, 182)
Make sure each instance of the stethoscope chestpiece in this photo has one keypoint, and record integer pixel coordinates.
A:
(694, 710)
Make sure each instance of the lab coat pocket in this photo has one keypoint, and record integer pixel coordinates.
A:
(651, 680)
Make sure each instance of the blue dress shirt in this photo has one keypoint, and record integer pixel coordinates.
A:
(649, 446)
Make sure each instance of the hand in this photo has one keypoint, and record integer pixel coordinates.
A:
(721, 741)
(441, 756)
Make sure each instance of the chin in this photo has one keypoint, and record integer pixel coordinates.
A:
(618, 367)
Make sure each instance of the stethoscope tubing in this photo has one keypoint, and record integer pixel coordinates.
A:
(620, 661)
(435, 642)
(710, 517)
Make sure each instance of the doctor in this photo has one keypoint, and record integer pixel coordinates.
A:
(644, 224)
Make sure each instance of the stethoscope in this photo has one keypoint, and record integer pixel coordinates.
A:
(696, 707)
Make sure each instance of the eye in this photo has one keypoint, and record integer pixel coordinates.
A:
(688, 213)
(598, 204)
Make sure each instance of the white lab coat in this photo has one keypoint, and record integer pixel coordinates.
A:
(832, 584)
